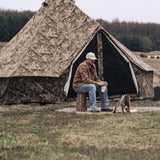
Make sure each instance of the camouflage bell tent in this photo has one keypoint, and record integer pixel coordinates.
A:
(38, 64)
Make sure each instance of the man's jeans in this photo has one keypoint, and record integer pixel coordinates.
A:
(92, 89)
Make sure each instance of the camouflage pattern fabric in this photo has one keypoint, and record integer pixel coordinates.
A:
(49, 42)
(32, 90)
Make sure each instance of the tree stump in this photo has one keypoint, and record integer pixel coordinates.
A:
(81, 102)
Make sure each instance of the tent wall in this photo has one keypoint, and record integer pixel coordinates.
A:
(32, 89)
(145, 82)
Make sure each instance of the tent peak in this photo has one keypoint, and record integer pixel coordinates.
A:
(45, 3)
(73, 1)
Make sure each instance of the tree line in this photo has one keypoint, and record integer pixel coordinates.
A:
(11, 22)
(135, 36)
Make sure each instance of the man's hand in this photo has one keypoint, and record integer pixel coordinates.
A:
(102, 83)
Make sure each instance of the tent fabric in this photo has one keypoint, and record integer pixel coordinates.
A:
(49, 41)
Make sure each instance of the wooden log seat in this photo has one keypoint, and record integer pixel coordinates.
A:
(81, 102)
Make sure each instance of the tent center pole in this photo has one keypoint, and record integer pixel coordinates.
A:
(100, 55)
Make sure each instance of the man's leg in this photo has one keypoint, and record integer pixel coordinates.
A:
(104, 99)
(91, 89)
(105, 102)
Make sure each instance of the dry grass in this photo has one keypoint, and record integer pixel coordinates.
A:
(40, 132)
(154, 63)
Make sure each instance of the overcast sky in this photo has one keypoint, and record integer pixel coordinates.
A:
(125, 10)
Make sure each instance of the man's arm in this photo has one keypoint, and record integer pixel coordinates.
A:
(102, 83)
(99, 82)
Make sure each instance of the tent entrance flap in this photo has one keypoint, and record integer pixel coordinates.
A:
(118, 71)
(91, 46)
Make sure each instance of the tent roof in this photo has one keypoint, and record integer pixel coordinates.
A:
(51, 40)
(48, 43)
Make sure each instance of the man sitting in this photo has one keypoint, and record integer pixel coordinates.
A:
(87, 81)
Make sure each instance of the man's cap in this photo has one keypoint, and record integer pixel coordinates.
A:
(91, 56)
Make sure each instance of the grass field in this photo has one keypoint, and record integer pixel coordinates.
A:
(34, 132)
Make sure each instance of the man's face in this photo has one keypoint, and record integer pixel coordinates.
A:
(90, 62)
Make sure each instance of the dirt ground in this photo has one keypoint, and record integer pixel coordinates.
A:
(119, 110)
(147, 105)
